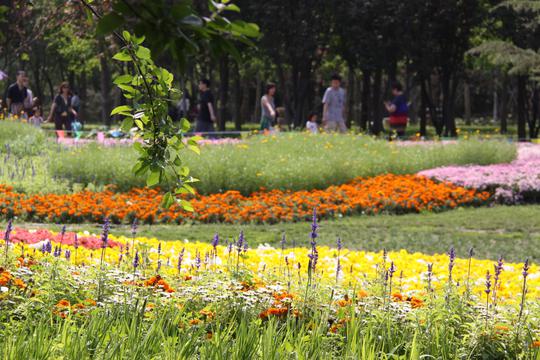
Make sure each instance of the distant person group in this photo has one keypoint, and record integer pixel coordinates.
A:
(65, 108)
(334, 109)
(21, 104)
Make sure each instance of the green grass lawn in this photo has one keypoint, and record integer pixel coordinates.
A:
(513, 232)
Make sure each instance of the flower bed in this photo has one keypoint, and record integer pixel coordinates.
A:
(200, 296)
(395, 194)
(518, 181)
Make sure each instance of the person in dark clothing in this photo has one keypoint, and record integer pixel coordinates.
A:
(16, 95)
(62, 110)
(398, 110)
(206, 117)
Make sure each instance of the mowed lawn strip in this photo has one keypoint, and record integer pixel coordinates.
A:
(510, 231)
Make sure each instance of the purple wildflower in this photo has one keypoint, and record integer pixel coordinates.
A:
(62, 233)
(67, 255)
(76, 242)
(240, 243)
(283, 242)
(159, 249)
(215, 241)
(391, 269)
(339, 243)
(134, 226)
(451, 262)
(120, 257)
(48, 247)
(488, 283)
(9, 228)
(136, 260)
(197, 260)
(526, 268)
(429, 275)
(313, 257)
(180, 259)
(105, 233)
(287, 261)
(314, 227)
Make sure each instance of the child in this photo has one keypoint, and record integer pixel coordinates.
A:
(36, 118)
(311, 124)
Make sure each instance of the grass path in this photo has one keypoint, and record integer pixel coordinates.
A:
(513, 232)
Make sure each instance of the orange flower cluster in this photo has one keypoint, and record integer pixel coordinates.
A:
(385, 193)
(7, 279)
(159, 283)
(280, 307)
(414, 301)
(64, 307)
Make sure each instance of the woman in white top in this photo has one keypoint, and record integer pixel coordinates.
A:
(268, 107)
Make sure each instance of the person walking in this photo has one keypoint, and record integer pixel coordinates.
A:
(17, 94)
(62, 109)
(268, 107)
(207, 116)
(76, 101)
(28, 103)
(398, 110)
(334, 106)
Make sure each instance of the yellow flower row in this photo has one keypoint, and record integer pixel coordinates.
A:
(357, 268)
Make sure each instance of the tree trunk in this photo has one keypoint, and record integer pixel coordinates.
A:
(448, 105)
(105, 85)
(237, 98)
(376, 103)
(366, 94)
(423, 107)
(223, 91)
(258, 95)
(521, 107)
(467, 102)
(504, 105)
(533, 127)
(351, 93)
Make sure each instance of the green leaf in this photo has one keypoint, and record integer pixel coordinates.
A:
(167, 201)
(127, 124)
(121, 109)
(109, 23)
(195, 149)
(186, 205)
(153, 178)
(123, 79)
(139, 148)
(127, 88)
(126, 35)
(185, 125)
(143, 53)
(122, 56)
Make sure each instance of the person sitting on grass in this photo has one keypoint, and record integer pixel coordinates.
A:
(311, 124)
(398, 110)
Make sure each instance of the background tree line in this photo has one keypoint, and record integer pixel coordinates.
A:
(457, 58)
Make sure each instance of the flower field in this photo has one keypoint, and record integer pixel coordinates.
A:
(381, 194)
(274, 302)
(518, 181)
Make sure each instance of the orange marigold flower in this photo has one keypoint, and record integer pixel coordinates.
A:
(416, 302)
(63, 304)
(536, 344)
(194, 322)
